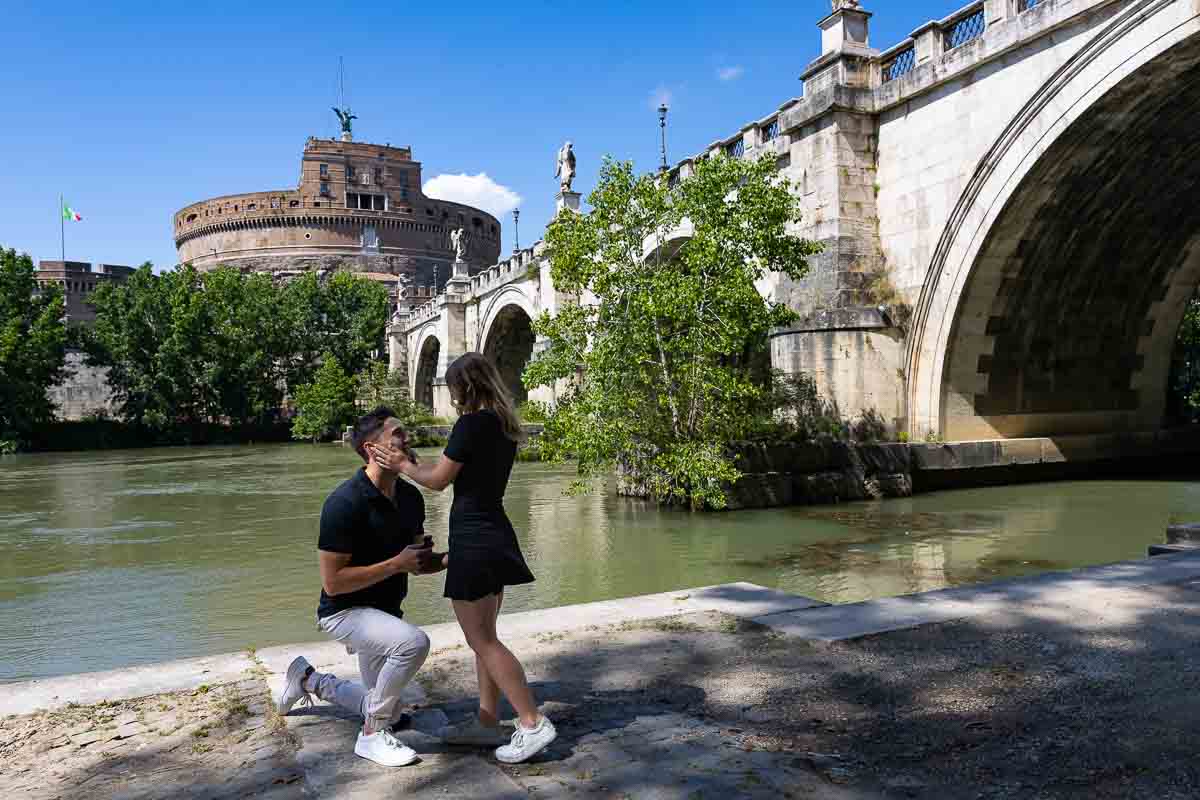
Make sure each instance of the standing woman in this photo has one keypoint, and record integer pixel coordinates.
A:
(484, 554)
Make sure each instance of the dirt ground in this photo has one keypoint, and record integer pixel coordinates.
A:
(705, 706)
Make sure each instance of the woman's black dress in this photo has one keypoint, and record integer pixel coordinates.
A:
(484, 553)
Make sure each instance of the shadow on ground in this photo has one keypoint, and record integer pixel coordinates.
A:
(1092, 698)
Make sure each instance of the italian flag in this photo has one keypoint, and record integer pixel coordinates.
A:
(69, 214)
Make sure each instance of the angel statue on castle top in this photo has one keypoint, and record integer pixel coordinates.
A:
(344, 116)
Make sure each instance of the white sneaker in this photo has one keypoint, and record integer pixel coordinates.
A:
(384, 749)
(293, 689)
(473, 732)
(527, 742)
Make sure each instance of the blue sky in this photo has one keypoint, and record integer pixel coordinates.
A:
(135, 110)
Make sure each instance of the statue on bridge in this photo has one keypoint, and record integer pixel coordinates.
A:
(458, 238)
(564, 169)
(838, 5)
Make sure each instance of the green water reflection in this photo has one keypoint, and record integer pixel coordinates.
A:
(120, 558)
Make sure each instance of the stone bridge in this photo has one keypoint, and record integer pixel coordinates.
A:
(1008, 208)
(491, 312)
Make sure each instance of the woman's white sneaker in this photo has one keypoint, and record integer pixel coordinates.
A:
(474, 733)
(527, 742)
(384, 749)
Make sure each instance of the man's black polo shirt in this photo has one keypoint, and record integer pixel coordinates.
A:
(358, 519)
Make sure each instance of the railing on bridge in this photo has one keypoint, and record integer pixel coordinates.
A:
(965, 28)
(902, 63)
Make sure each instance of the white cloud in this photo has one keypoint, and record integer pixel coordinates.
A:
(731, 73)
(479, 191)
(661, 96)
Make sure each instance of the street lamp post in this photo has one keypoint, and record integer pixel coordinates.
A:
(662, 125)
(516, 230)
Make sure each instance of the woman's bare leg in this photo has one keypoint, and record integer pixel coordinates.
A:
(489, 690)
(478, 622)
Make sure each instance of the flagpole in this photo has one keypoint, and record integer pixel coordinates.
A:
(62, 228)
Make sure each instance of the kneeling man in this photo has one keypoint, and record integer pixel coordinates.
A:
(372, 538)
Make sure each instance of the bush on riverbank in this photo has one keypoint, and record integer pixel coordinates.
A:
(108, 434)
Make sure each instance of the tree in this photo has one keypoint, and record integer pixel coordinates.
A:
(345, 315)
(326, 403)
(33, 347)
(379, 386)
(243, 346)
(666, 363)
(224, 346)
(137, 337)
(1183, 401)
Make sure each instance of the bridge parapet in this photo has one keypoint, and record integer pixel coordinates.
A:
(932, 54)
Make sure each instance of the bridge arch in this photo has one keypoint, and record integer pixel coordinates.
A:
(425, 358)
(506, 337)
(1057, 287)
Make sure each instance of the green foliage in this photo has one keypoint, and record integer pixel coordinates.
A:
(665, 367)
(185, 348)
(33, 348)
(1183, 401)
(794, 410)
(379, 386)
(345, 315)
(533, 411)
(326, 404)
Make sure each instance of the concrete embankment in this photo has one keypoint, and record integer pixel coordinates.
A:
(1070, 685)
(814, 473)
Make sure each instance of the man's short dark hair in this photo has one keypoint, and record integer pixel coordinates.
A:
(367, 426)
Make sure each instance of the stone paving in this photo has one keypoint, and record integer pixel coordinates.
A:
(1080, 688)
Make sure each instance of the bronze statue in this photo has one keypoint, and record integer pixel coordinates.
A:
(344, 116)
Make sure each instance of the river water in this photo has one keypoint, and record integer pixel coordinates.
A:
(129, 557)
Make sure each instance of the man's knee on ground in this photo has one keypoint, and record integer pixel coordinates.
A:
(414, 646)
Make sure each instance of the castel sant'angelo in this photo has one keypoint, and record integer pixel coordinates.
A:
(358, 206)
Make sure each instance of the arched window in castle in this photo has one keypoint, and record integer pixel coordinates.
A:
(274, 202)
(379, 176)
(324, 170)
(325, 189)
(191, 217)
(293, 204)
(349, 173)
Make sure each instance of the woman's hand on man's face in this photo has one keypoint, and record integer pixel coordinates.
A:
(391, 458)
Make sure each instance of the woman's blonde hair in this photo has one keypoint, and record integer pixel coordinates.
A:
(475, 384)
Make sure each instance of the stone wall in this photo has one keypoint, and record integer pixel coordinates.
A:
(818, 473)
(84, 392)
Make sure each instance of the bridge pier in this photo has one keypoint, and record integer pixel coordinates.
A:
(847, 337)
